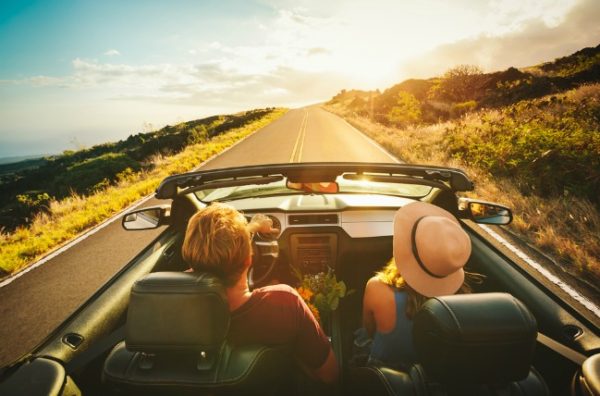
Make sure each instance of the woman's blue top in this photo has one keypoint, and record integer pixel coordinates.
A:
(395, 349)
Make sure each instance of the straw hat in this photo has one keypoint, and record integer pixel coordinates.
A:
(430, 249)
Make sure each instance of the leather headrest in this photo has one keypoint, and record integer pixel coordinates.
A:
(176, 311)
(475, 338)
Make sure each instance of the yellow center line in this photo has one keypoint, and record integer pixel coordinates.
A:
(300, 140)
(303, 137)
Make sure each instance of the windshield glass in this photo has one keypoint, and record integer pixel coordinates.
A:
(345, 186)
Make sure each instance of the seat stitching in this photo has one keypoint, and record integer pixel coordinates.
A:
(451, 314)
(386, 383)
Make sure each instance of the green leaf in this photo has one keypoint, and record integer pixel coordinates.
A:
(334, 303)
(320, 301)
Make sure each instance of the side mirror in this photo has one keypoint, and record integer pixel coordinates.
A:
(483, 212)
(147, 218)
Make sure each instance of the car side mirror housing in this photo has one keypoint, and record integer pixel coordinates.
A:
(146, 218)
(483, 212)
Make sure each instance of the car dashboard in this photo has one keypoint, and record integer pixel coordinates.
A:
(316, 230)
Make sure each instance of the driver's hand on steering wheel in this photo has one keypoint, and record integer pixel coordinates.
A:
(261, 223)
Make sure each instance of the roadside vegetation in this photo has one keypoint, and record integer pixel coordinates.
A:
(539, 153)
(35, 182)
(96, 183)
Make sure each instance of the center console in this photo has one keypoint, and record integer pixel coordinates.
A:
(313, 253)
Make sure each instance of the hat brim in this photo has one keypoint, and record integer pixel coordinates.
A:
(406, 263)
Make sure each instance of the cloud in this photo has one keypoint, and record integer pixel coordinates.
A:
(284, 86)
(317, 51)
(119, 77)
(300, 59)
(206, 84)
(112, 52)
(534, 42)
(36, 81)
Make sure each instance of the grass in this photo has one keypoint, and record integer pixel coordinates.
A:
(69, 217)
(565, 225)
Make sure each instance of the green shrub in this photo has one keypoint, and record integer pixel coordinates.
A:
(94, 173)
(459, 84)
(549, 146)
(407, 110)
(459, 109)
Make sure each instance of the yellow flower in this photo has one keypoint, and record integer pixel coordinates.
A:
(314, 311)
(306, 294)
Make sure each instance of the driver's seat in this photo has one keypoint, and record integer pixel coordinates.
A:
(175, 343)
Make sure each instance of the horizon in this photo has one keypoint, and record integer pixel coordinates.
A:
(78, 74)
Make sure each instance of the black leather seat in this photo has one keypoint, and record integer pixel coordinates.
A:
(477, 344)
(176, 343)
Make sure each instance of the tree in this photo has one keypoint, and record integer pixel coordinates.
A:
(407, 110)
(459, 84)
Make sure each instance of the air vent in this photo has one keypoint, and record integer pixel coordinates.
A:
(313, 219)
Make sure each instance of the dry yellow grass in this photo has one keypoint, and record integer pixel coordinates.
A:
(566, 228)
(71, 216)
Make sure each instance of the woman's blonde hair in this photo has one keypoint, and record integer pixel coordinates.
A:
(217, 240)
(390, 276)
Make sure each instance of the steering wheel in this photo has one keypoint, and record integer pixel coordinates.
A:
(265, 250)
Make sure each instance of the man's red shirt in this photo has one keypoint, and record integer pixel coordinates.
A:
(277, 315)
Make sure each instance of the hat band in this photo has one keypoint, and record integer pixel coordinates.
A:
(415, 251)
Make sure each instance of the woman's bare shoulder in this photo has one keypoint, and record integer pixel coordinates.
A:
(376, 287)
(375, 282)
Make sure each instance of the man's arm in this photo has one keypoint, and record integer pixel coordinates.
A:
(329, 371)
(312, 347)
(261, 223)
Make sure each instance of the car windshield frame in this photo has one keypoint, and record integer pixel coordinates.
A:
(450, 179)
(279, 188)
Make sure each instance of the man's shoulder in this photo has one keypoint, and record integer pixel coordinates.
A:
(278, 296)
(280, 290)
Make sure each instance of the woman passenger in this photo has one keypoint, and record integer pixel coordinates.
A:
(430, 250)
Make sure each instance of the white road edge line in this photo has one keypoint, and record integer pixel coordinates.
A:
(105, 223)
(373, 142)
(543, 271)
(72, 243)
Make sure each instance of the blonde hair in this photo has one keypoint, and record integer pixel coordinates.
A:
(217, 240)
(390, 276)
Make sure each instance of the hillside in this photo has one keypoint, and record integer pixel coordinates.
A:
(466, 88)
(27, 187)
(547, 141)
(530, 138)
(54, 221)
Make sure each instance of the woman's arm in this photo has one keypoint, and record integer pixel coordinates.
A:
(368, 300)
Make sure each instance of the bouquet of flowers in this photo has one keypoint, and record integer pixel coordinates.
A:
(322, 292)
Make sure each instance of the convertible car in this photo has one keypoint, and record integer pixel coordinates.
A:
(156, 328)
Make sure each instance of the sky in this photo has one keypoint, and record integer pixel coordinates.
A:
(74, 73)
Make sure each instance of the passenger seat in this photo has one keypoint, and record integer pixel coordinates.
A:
(470, 344)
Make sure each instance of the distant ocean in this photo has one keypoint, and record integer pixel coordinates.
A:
(12, 160)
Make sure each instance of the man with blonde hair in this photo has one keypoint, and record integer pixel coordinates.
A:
(218, 239)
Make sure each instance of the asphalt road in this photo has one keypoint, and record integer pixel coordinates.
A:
(37, 302)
